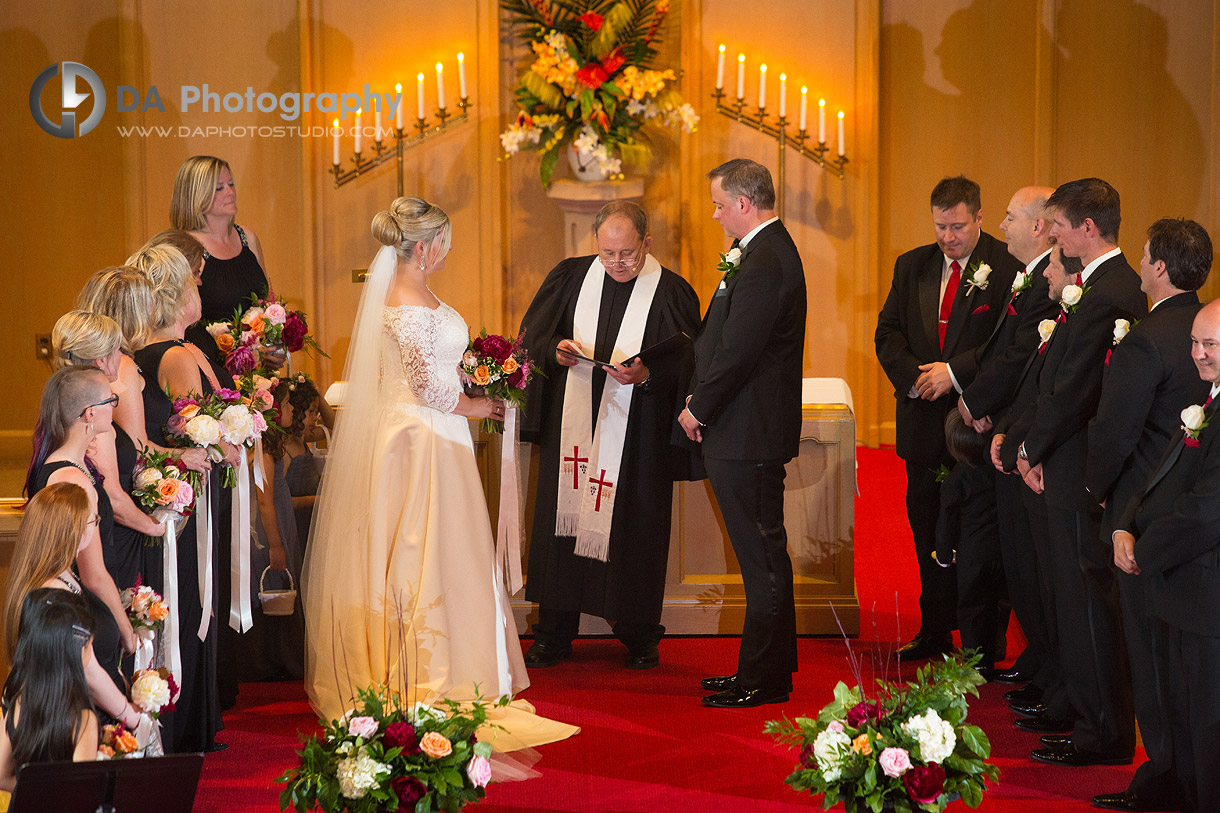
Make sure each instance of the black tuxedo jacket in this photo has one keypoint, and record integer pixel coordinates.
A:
(749, 355)
(1004, 356)
(1150, 379)
(1054, 429)
(1176, 523)
(907, 336)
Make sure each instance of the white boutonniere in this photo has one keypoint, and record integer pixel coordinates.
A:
(1121, 328)
(1021, 283)
(978, 277)
(730, 261)
(1194, 421)
(1045, 328)
(1070, 298)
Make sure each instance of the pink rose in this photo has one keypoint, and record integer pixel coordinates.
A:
(260, 423)
(835, 726)
(186, 495)
(263, 399)
(275, 314)
(365, 727)
(479, 771)
(895, 761)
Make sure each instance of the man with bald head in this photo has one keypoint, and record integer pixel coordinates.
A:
(1173, 533)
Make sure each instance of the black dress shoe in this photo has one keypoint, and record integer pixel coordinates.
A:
(1055, 740)
(216, 746)
(542, 654)
(1129, 801)
(643, 657)
(1034, 709)
(1043, 724)
(1012, 676)
(926, 646)
(739, 698)
(1026, 694)
(1074, 757)
(988, 673)
(719, 683)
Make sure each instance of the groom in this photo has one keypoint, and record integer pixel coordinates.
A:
(745, 410)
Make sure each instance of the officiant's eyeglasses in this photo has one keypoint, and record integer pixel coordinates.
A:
(114, 399)
(618, 259)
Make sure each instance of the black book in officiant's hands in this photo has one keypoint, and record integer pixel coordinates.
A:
(657, 350)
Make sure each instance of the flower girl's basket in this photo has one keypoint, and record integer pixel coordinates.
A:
(277, 602)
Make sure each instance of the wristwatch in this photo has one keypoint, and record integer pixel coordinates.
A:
(1021, 452)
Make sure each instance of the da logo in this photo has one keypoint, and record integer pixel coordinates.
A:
(69, 73)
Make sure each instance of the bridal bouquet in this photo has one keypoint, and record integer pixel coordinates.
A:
(590, 87)
(501, 367)
(909, 747)
(380, 756)
(163, 486)
(265, 328)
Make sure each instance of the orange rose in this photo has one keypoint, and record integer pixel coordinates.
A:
(258, 325)
(481, 375)
(510, 365)
(126, 742)
(189, 412)
(105, 751)
(157, 611)
(225, 342)
(167, 490)
(861, 746)
(435, 745)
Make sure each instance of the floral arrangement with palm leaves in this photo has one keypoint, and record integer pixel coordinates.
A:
(906, 749)
(591, 86)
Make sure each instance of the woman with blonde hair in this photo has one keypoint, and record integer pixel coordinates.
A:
(56, 531)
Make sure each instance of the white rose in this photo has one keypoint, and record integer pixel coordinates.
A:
(148, 478)
(150, 691)
(981, 274)
(1045, 328)
(237, 423)
(733, 257)
(935, 736)
(1192, 417)
(1071, 295)
(217, 328)
(1121, 328)
(1019, 280)
(203, 430)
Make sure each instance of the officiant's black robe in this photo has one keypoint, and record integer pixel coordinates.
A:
(629, 586)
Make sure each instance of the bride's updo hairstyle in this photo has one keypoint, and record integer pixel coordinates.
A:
(171, 279)
(409, 221)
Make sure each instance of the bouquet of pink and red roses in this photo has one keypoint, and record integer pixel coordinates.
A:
(501, 367)
(261, 330)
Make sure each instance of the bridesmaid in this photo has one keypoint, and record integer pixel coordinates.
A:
(299, 401)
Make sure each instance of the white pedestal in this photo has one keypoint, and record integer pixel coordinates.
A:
(580, 201)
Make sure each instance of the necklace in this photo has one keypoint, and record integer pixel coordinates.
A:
(83, 471)
(72, 587)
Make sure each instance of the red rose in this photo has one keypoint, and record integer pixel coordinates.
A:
(863, 712)
(409, 790)
(594, 21)
(496, 347)
(613, 61)
(295, 329)
(402, 735)
(592, 75)
(924, 783)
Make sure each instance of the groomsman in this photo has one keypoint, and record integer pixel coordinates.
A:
(1173, 531)
(1051, 458)
(942, 307)
(1149, 378)
(745, 409)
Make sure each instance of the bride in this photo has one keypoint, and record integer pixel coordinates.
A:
(400, 584)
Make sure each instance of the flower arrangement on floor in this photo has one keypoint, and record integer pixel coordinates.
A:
(909, 748)
(260, 331)
(501, 367)
(383, 757)
(590, 85)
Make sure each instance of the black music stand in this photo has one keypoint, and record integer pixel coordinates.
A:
(164, 784)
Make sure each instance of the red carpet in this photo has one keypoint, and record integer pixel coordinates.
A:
(647, 745)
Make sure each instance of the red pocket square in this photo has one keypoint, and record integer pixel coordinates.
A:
(981, 309)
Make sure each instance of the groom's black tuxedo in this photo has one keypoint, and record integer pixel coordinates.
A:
(747, 393)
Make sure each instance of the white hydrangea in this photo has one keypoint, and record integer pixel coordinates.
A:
(935, 736)
(358, 774)
(829, 749)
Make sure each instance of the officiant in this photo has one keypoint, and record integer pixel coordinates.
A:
(600, 541)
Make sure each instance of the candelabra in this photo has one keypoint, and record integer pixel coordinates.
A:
(403, 141)
(777, 127)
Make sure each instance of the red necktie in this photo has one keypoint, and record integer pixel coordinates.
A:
(1209, 399)
(946, 301)
(1079, 280)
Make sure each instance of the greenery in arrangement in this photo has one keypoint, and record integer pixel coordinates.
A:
(908, 748)
(381, 757)
(591, 84)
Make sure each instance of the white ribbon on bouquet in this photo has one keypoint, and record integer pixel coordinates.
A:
(241, 609)
(172, 626)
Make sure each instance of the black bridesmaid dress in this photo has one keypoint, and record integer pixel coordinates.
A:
(227, 285)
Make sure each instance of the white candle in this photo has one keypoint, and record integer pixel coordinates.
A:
(783, 95)
(741, 76)
(398, 110)
(462, 75)
(804, 105)
(377, 122)
(822, 121)
(358, 112)
(762, 86)
(336, 131)
(420, 82)
(720, 69)
(842, 145)
(440, 86)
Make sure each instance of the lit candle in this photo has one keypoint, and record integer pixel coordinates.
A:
(377, 122)
(741, 76)
(358, 112)
(720, 69)
(420, 82)
(804, 105)
(842, 145)
(822, 121)
(462, 75)
(783, 95)
(336, 131)
(440, 86)
(762, 86)
(398, 109)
